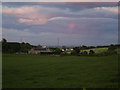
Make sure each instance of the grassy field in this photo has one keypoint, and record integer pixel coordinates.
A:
(97, 50)
(34, 71)
(0, 70)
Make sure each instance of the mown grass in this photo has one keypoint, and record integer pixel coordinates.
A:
(34, 71)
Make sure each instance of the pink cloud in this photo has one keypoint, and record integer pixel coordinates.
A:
(90, 0)
(28, 15)
(24, 10)
(40, 21)
(72, 26)
(24, 20)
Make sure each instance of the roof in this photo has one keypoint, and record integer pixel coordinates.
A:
(40, 49)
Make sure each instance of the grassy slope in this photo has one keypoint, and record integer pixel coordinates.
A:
(97, 50)
(30, 71)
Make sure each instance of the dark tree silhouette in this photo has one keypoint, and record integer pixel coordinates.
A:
(91, 52)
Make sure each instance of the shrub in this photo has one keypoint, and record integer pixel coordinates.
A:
(74, 52)
(58, 51)
(107, 53)
(83, 53)
(64, 53)
(112, 48)
(91, 52)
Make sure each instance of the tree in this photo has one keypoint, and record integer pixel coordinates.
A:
(91, 52)
(74, 52)
(4, 40)
(39, 46)
(64, 47)
(83, 53)
(25, 47)
(112, 47)
(13, 47)
(84, 47)
(4, 45)
(112, 50)
(77, 49)
(58, 51)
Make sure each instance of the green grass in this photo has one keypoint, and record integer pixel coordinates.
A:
(97, 50)
(0, 70)
(34, 71)
(118, 50)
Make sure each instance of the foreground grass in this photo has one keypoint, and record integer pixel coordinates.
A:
(0, 70)
(34, 71)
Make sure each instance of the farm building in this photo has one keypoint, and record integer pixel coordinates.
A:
(39, 50)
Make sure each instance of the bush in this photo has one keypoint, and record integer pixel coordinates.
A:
(77, 49)
(74, 52)
(58, 51)
(83, 53)
(112, 48)
(91, 52)
(111, 52)
(64, 53)
(107, 53)
(46, 53)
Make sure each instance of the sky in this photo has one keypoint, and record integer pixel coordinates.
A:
(60, 0)
(72, 23)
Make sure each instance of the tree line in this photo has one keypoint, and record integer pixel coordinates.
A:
(81, 51)
(13, 47)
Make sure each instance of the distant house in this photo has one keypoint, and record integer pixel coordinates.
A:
(67, 49)
(39, 50)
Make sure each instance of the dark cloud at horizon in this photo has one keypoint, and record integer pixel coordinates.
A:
(73, 6)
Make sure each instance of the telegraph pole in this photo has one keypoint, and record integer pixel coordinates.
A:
(58, 41)
(21, 39)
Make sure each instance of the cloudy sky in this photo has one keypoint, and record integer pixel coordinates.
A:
(73, 23)
(60, 0)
